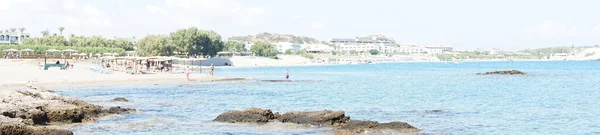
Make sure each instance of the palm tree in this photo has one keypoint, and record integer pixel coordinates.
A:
(61, 30)
(22, 30)
(13, 29)
(45, 33)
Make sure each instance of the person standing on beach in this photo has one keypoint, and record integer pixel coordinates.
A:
(287, 74)
(187, 73)
(212, 69)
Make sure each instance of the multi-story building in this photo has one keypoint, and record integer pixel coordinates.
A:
(12, 37)
(284, 46)
(373, 40)
(443, 48)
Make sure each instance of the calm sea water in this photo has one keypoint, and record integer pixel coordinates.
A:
(555, 98)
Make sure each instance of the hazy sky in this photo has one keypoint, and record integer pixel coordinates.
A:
(464, 24)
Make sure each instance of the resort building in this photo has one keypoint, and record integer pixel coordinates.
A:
(317, 48)
(284, 46)
(373, 40)
(12, 37)
(443, 48)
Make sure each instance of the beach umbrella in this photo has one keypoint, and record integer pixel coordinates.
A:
(82, 54)
(27, 50)
(69, 50)
(75, 54)
(11, 50)
(52, 51)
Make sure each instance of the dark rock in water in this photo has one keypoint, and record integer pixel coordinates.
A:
(120, 99)
(506, 72)
(341, 124)
(326, 117)
(360, 126)
(250, 115)
(434, 111)
(28, 130)
(276, 80)
(118, 110)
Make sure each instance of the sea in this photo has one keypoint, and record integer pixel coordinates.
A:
(560, 97)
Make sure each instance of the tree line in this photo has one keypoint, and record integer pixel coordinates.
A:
(188, 42)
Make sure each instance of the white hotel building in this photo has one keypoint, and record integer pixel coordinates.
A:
(385, 46)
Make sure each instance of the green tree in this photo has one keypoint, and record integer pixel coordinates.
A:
(45, 33)
(193, 41)
(234, 46)
(61, 29)
(288, 51)
(22, 30)
(264, 49)
(123, 43)
(374, 52)
(155, 45)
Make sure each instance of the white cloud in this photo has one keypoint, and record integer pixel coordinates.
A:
(69, 4)
(553, 29)
(186, 4)
(155, 9)
(91, 11)
(95, 16)
(218, 11)
(5, 4)
(317, 25)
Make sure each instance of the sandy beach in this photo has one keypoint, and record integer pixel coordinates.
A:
(19, 72)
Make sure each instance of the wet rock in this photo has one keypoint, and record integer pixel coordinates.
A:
(326, 117)
(118, 110)
(276, 80)
(434, 111)
(250, 115)
(28, 130)
(120, 99)
(28, 109)
(505, 72)
(360, 126)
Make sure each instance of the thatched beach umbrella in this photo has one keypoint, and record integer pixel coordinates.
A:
(27, 51)
(11, 50)
(52, 51)
(70, 51)
(82, 54)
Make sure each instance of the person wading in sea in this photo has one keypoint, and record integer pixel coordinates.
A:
(287, 74)
(212, 69)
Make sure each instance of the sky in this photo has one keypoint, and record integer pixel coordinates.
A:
(463, 24)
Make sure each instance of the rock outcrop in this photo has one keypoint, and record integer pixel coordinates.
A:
(29, 110)
(326, 117)
(336, 119)
(120, 99)
(29, 130)
(250, 115)
(505, 72)
(360, 126)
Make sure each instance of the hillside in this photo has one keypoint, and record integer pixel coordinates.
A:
(380, 37)
(274, 37)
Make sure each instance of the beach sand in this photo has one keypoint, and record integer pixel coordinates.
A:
(17, 73)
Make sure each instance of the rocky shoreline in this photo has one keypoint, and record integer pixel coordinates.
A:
(341, 123)
(27, 112)
(505, 72)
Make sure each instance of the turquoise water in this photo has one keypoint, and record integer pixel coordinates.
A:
(555, 98)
